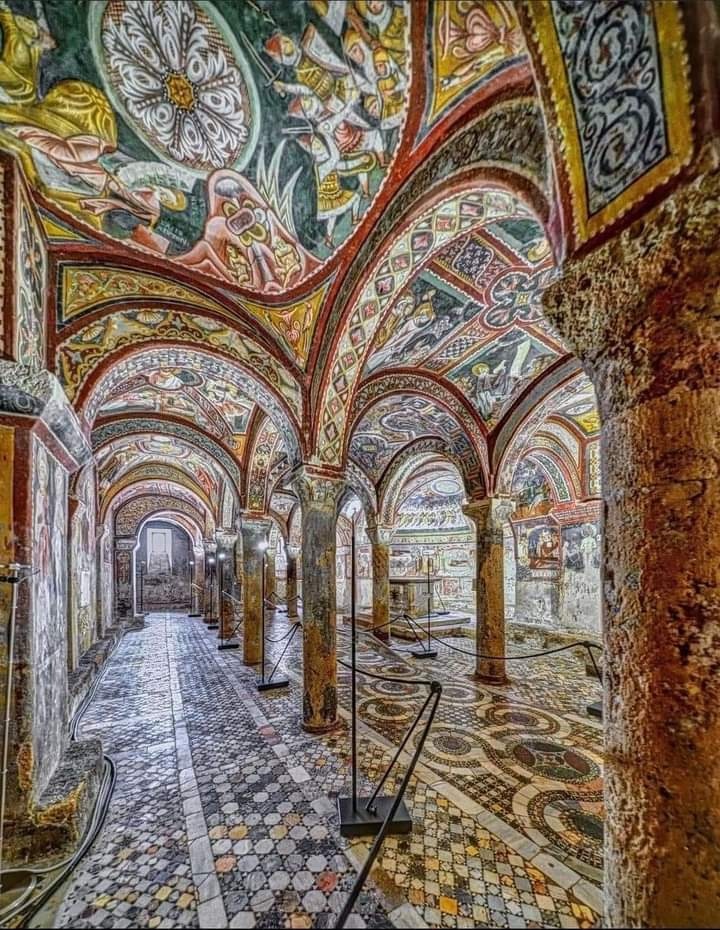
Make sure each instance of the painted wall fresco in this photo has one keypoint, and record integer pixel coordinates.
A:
(30, 272)
(491, 375)
(474, 315)
(188, 126)
(49, 488)
(394, 422)
(470, 42)
(83, 567)
(613, 100)
(432, 504)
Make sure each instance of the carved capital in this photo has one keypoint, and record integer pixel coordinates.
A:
(661, 265)
(317, 489)
(379, 534)
(489, 515)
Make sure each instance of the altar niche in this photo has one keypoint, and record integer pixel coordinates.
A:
(162, 568)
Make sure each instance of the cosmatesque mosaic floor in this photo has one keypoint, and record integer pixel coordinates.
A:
(224, 813)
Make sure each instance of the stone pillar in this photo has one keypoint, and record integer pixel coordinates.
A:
(643, 314)
(488, 515)
(319, 495)
(225, 587)
(255, 534)
(124, 582)
(291, 593)
(380, 537)
(209, 607)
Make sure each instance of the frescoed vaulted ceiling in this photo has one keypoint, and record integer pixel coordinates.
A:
(398, 420)
(337, 214)
(215, 404)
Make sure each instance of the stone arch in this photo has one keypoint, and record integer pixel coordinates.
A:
(152, 471)
(450, 209)
(407, 461)
(437, 422)
(99, 356)
(522, 426)
(124, 427)
(130, 514)
(411, 382)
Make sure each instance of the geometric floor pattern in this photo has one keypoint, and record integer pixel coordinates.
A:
(224, 812)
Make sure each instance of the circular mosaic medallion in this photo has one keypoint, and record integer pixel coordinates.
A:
(574, 821)
(178, 75)
(452, 745)
(503, 715)
(555, 761)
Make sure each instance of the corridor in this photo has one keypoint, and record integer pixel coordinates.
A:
(224, 809)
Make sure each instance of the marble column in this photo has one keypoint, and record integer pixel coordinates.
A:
(291, 593)
(319, 495)
(380, 537)
(643, 314)
(489, 515)
(226, 586)
(255, 534)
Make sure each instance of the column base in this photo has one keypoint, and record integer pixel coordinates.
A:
(321, 728)
(490, 679)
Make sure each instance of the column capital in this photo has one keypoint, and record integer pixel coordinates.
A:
(379, 534)
(603, 297)
(317, 488)
(257, 525)
(225, 539)
(125, 543)
(489, 512)
(209, 546)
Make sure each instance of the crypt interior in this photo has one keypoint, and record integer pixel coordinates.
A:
(359, 463)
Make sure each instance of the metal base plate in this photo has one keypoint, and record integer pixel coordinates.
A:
(194, 615)
(424, 654)
(595, 710)
(229, 646)
(271, 685)
(359, 822)
(213, 626)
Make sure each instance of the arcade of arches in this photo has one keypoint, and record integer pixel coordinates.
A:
(404, 311)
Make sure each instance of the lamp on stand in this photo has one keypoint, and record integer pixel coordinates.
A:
(359, 817)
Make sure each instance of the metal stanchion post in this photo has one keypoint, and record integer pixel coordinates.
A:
(363, 819)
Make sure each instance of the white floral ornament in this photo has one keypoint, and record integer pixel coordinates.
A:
(176, 81)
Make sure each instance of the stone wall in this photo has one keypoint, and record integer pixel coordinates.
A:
(82, 566)
(48, 614)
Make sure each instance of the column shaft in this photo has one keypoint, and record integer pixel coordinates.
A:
(318, 496)
(488, 516)
(643, 313)
(254, 539)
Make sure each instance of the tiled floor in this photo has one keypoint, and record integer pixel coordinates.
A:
(224, 811)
